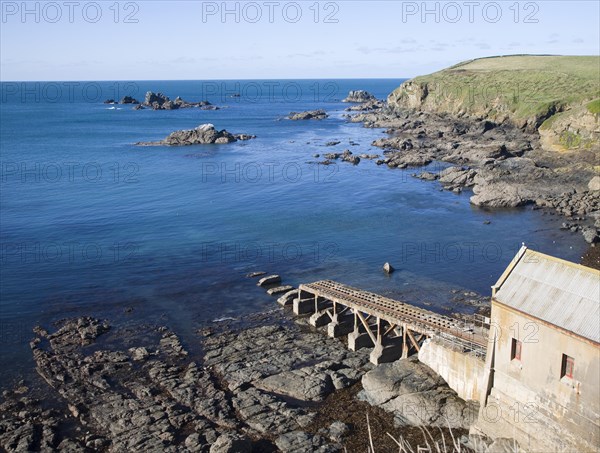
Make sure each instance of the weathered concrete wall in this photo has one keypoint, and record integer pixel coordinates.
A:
(462, 372)
(543, 411)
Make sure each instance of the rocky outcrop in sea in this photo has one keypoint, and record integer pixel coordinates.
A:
(359, 96)
(201, 135)
(159, 101)
(308, 115)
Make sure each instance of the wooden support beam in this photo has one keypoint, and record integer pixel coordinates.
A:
(367, 327)
(330, 314)
(412, 340)
(392, 327)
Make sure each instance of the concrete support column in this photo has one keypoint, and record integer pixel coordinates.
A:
(340, 325)
(389, 350)
(304, 303)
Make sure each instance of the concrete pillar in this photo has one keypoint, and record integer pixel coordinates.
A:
(303, 306)
(358, 339)
(386, 351)
(319, 319)
(340, 325)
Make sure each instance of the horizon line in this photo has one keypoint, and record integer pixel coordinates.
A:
(207, 80)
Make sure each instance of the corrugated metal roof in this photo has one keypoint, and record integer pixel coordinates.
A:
(556, 291)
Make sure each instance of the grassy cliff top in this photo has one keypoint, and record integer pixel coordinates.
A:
(526, 89)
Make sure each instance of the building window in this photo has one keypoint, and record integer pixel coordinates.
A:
(568, 365)
(515, 351)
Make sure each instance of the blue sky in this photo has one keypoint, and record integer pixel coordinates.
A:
(346, 39)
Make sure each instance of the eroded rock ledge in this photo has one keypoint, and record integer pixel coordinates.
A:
(254, 390)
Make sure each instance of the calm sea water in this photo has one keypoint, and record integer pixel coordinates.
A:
(92, 224)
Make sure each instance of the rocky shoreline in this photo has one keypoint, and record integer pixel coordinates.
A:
(259, 384)
(503, 165)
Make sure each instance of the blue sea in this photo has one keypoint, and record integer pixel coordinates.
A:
(92, 224)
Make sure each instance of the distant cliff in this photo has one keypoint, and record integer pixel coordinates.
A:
(559, 96)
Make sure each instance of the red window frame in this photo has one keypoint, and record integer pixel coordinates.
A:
(568, 366)
(515, 351)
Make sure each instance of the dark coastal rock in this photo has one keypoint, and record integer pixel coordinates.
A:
(302, 384)
(150, 406)
(154, 100)
(279, 290)
(590, 234)
(410, 158)
(457, 177)
(159, 101)
(369, 106)
(128, 100)
(260, 364)
(347, 156)
(202, 135)
(388, 268)
(416, 395)
(110, 101)
(269, 280)
(255, 274)
(369, 156)
(359, 96)
(427, 176)
(231, 443)
(308, 115)
(332, 143)
(594, 184)
(139, 107)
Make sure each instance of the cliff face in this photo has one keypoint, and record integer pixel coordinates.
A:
(554, 95)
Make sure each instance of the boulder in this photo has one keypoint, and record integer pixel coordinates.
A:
(590, 234)
(416, 396)
(594, 183)
(304, 384)
(427, 176)
(388, 268)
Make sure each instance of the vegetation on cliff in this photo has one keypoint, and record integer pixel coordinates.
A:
(557, 95)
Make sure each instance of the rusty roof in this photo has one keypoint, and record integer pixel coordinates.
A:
(556, 291)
